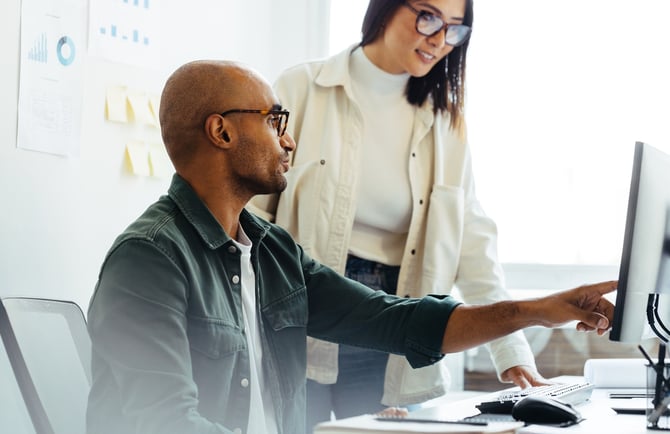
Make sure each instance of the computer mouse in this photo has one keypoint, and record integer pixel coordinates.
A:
(545, 410)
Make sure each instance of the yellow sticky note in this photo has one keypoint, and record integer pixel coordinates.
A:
(139, 106)
(137, 156)
(115, 104)
(154, 101)
(159, 161)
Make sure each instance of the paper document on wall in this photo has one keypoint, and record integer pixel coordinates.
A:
(159, 162)
(52, 75)
(370, 425)
(154, 105)
(125, 31)
(140, 108)
(137, 156)
(116, 104)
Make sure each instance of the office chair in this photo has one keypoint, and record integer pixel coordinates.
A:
(49, 351)
(15, 416)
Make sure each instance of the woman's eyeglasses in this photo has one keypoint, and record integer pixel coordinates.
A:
(428, 24)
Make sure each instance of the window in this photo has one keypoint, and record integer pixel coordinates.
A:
(557, 94)
(346, 19)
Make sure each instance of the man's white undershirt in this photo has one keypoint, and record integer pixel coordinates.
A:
(261, 411)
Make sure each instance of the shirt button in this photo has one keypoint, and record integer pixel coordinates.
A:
(236, 279)
(420, 201)
(323, 162)
(244, 382)
(232, 249)
(413, 252)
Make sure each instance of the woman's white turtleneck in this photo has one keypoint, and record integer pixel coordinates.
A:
(384, 202)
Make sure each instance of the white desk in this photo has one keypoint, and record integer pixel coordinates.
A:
(598, 416)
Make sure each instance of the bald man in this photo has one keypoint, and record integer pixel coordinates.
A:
(201, 311)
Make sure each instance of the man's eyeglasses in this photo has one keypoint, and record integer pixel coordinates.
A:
(279, 118)
(429, 24)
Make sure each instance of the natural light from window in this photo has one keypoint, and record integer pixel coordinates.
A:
(346, 19)
(557, 95)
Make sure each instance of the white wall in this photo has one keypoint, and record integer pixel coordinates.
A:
(59, 215)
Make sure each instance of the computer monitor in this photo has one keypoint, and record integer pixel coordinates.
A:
(641, 308)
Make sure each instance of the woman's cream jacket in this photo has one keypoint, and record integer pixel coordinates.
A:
(451, 242)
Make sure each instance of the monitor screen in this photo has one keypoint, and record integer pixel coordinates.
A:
(644, 236)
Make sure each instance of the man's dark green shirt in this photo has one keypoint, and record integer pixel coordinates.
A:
(169, 347)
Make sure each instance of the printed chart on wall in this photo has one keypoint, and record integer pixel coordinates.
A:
(52, 73)
(125, 31)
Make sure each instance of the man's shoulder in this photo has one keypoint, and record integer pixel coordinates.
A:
(156, 221)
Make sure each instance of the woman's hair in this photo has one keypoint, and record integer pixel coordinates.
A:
(445, 82)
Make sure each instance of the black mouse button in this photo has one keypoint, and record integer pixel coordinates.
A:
(545, 410)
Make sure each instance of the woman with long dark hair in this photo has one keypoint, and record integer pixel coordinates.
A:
(381, 189)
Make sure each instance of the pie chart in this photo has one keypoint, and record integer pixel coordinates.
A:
(65, 51)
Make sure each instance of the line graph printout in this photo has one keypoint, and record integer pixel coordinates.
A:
(125, 31)
(52, 75)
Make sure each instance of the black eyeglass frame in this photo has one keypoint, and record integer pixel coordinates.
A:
(419, 14)
(281, 125)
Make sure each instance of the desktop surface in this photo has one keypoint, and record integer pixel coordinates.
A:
(598, 415)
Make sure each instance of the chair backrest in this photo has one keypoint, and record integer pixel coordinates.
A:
(14, 412)
(54, 352)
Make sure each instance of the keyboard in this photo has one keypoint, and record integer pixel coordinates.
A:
(571, 393)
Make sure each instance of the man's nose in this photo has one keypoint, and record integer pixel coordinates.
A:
(287, 142)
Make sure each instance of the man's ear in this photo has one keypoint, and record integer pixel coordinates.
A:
(219, 131)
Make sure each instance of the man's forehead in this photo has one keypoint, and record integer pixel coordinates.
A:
(259, 94)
